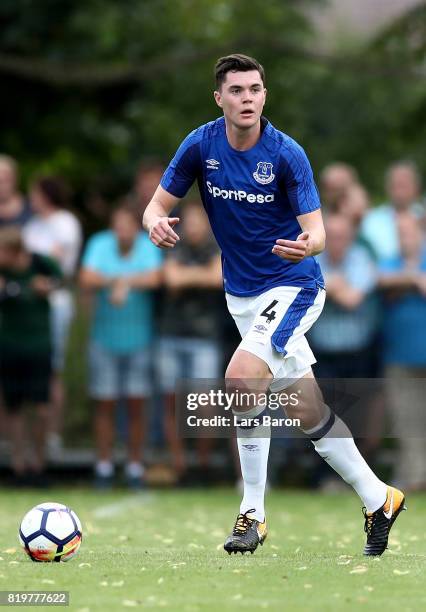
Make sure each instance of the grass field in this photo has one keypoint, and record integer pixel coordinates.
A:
(163, 549)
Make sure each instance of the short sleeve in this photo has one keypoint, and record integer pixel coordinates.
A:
(184, 168)
(298, 181)
(69, 236)
(94, 254)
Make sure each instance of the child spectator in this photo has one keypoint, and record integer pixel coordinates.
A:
(26, 280)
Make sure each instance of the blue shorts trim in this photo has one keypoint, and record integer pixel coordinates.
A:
(295, 313)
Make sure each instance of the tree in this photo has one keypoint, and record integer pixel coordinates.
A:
(92, 87)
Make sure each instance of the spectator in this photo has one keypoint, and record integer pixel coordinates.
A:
(403, 278)
(344, 337)
(189, 347)
(121, 267)
(354, 204)
(26, 280)
(14, 207)
(147, 179)
(379, 228)
(56, 232)
(335, 179)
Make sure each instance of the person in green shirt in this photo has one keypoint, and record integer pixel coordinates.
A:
(26, 280)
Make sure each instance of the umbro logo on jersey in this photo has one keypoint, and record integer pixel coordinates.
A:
(212, 164)
(263, 173)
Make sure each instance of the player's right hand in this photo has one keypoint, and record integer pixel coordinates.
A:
(161, 232)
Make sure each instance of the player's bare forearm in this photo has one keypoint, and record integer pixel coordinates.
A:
(312, 223)
(156, 219)
(153, 211)
(310, 242)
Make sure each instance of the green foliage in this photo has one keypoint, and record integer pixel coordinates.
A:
(89, 88)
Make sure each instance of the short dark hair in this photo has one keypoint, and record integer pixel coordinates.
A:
(55, 189)
(236, 63)
(126, 207)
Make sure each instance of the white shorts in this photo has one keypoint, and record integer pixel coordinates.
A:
(273, 327)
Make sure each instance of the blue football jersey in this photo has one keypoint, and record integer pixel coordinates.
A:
(252, 198)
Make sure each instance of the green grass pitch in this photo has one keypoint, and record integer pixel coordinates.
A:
(163, 550)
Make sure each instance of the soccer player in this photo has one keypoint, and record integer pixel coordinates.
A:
(257, 187)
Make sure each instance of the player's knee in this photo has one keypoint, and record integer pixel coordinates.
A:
(247, 366)
(246, 376)
(244, 393)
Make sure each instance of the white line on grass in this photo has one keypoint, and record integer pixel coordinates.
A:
(119, 507)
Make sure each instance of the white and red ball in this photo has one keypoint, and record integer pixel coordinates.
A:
(50, 532)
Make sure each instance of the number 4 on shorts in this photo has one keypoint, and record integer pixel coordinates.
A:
(268, 313)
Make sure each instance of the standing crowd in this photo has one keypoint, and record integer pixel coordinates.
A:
(157, 317)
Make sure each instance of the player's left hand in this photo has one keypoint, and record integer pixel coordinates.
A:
(293, 250)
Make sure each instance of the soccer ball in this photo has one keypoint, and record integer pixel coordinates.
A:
(50, 532)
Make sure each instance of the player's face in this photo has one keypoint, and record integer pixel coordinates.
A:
(242, 98)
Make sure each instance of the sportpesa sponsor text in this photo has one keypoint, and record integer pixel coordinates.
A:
(239, 195)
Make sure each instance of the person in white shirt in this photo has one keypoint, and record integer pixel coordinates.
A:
(55, 231)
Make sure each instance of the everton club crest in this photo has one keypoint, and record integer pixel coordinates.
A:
(264, 174)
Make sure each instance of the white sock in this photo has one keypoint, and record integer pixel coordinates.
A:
(253, 448)
(338, 448)
(104, 468)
